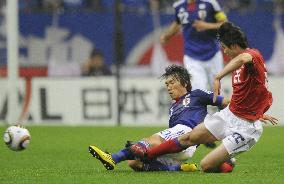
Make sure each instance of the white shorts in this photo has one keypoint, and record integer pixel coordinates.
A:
(176, 158)
(203, 72)
(237, 135)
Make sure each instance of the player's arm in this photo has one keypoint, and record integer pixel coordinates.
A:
(233, 65)
(206, 97)
(221, 102)
(201, 25)
(173, 29)
(225, 102)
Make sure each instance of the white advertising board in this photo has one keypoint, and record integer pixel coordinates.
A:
(93, 101)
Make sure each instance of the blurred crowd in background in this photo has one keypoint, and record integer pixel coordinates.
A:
(76, 27)
(140, 5)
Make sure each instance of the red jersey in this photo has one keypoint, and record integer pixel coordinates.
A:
(250, 98)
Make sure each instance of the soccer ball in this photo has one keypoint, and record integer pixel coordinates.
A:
(17, 138)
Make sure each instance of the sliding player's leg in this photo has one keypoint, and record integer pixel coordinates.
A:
(198, 135)
(110, 160)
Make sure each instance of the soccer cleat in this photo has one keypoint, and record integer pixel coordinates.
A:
(188, 167)
(104, 157)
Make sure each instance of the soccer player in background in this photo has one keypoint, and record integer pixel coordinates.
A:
(238, 126)
(199, 20)
(189, 108)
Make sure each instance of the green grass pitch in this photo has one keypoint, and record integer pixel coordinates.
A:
(60, 155)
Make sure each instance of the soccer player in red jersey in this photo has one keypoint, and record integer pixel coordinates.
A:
(239, 125)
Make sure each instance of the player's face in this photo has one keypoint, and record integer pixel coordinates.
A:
(229, 51)
(174, 87)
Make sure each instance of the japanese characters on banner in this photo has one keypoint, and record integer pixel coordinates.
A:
(94, 101)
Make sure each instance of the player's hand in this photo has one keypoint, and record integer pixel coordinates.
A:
(216, 88)
(269, 119)
(200, 25)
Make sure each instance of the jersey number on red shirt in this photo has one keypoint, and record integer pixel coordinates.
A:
(237, 76)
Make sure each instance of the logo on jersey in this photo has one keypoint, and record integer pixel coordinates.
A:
(186, 102)
(202, 12)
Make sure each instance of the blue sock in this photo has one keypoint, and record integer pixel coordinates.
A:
(125, 154)
(155, 165)
(122, 155)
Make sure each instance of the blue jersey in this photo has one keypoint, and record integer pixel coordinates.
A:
(201, 45)
(191, 109)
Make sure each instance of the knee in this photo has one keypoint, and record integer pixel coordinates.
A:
(188, 139)
(200, 137)
(135, 165)
(154, 140)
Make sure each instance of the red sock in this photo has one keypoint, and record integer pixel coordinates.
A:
(226, 168)
(170, 146)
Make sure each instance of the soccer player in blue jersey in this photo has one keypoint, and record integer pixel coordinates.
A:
(187, 111)
(199, 20)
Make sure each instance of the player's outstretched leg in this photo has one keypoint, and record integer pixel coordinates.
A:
(105, 158)
(169, 146)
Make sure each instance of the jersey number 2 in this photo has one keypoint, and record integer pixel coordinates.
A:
(183, 16)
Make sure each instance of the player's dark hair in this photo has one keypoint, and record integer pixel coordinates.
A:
(229, 34)
(96, 52)
(180, 73)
